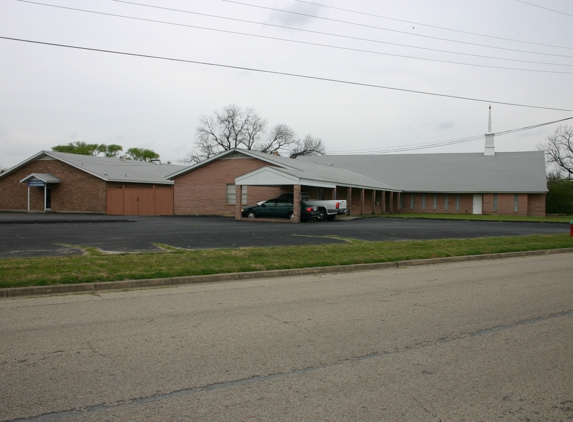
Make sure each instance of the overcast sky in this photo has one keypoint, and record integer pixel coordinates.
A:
(504, 51)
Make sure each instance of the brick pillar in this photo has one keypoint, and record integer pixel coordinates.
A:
(349, 200)
(383, 205)
(361, 201)
(238, 201)
(296, 203)
(374, 202)
(333, 193)
(391, 202)
(399, 202)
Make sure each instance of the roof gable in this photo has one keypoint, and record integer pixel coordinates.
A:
(108, 169)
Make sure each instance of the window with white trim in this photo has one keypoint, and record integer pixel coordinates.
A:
(515, 202)
(232, 195)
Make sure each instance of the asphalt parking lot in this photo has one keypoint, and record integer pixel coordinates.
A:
(33, 235)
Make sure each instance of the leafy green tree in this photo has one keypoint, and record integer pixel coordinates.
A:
(77, 147)
(142, 154)
(83, 148)
(559, 199)
(110, 151)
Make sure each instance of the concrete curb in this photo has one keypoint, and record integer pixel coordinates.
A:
(103, 286)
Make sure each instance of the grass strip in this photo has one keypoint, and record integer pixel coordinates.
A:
(478, 217)
(172, 262)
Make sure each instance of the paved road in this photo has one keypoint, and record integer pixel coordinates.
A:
(473, 341)
(38, 235)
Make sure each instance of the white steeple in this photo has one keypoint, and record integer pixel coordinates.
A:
(489, 148)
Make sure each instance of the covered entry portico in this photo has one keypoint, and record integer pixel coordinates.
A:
(41, 180)
(374, 197)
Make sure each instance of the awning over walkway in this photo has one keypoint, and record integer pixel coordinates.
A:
(41, 179)
(275, 176)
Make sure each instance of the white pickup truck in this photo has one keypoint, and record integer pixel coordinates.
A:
(328, 209)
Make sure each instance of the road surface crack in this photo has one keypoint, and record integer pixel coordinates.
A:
(65, 414)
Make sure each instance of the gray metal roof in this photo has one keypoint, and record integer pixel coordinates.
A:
(509, 172)
(44, 177)
(110, 169)
(307, 170)
(302, 170)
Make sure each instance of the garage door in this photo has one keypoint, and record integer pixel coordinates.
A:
(155, 200)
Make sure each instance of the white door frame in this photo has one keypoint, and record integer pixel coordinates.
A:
(478, 203)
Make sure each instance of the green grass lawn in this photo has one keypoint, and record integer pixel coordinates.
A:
(479, 217)
(171, 262)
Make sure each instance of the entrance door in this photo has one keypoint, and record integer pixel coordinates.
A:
(48, 198)
(478, 199)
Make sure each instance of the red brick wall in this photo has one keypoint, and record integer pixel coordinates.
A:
(506, 204)
(204, 190)
(536, 205)
(77, 192)
(466, 203)
(530, 205)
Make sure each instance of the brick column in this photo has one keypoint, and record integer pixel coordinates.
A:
(374, 201)
(296, 203)
(333, 193)
(361, 201)
(349, 200)
(383, 205)
(238, 201)
(391, 202)
(399, 202)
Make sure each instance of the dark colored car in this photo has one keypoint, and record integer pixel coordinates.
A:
(279, 208)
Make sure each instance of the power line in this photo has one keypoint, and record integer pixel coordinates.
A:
(328, 33)
(434, 26)
(404, 148)
(299, 42)
(317, 78)
(541, 7)
(391, 30)
(448, 142)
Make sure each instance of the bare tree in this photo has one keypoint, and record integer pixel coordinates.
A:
(235, 127)
(229, 128)
(307, 147)
(279, 137)
(559, 149)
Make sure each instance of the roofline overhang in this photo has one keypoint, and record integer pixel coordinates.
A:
(455, 192)
(22, 164)
(297, 180)
(145, 182)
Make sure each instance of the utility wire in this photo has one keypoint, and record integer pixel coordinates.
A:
(390, 30)
(298, 42)
(404, 148)
(294, 75)
(434, 26)
(291, 28)
(541, 7)
(427, 145)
